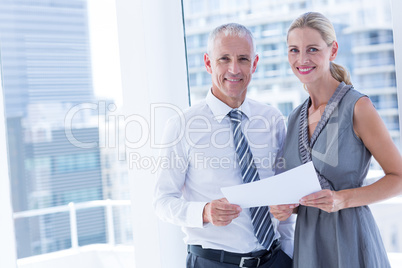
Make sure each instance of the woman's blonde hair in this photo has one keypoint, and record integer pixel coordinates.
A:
(320, 23)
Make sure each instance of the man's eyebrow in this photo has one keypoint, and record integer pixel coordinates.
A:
(239, 56)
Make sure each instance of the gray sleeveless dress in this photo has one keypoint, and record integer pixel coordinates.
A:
(348, 238)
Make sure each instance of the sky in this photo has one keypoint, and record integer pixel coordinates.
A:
(105, 50)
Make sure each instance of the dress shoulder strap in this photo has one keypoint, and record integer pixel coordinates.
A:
(306, 145)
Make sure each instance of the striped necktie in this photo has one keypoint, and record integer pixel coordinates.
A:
(260, 217)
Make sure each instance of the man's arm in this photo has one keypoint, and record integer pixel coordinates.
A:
(286, 229)
(168, 202)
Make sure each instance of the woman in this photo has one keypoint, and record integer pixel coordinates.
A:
(338, 129)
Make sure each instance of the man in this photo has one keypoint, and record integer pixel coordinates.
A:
(212, 147)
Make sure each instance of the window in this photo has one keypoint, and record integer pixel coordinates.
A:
(270, 50)
(365, 36)
(53, 105)
(193, 79)
(285, 108)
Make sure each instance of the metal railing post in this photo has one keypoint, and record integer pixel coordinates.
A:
(73, 226)
(110, 223)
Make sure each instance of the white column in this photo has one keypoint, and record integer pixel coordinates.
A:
(153, 67)
(396, 8)
(8, 254)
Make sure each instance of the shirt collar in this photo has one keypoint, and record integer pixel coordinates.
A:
(221, 109)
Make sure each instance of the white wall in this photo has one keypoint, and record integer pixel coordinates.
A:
(91, 256)
(153, 67)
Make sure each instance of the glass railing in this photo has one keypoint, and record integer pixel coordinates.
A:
(112, 229)
(116, 228)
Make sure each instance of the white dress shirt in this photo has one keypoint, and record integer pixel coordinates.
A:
(199, 144)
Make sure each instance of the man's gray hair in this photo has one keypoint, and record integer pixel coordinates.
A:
(232, 29)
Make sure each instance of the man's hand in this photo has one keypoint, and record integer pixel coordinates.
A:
(283, 212)
(220, 212)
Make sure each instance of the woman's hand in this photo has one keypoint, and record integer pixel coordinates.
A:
(327, 200)
(283, 212)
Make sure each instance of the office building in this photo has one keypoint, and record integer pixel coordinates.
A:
(46, 71)
(364, 33)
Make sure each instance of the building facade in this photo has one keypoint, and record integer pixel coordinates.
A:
(46, 71)
(364, 32)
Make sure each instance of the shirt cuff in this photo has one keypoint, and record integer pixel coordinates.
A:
(286, 229)
(195, 214)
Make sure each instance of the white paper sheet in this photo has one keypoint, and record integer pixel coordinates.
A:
(285, 188)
